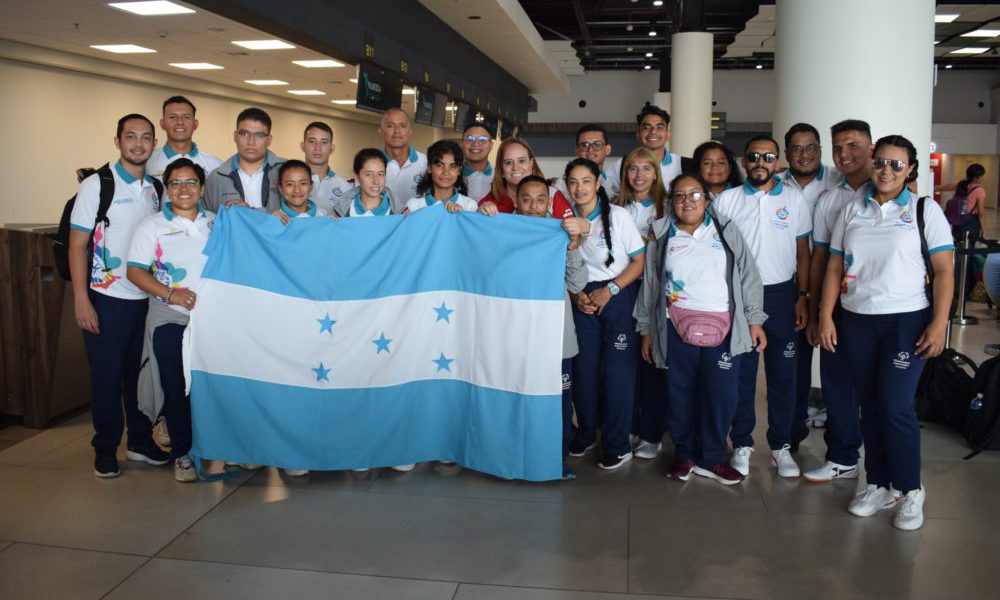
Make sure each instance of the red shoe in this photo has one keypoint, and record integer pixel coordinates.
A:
(681, 469)
(722, 473)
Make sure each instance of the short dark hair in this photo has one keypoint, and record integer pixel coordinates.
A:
(851, 125)
(366, 154)
(180, 163)
(315, 125)
(652, 109)
(531, 179)
(294, 163)
(474, 123)
(762, 138)
(129, 117)
(435, 152)
(911, 152)
(254, 114)
(179, 100)
(592, 127)
(735, 179)
(800, 128)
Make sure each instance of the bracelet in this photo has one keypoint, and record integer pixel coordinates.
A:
(170, 292)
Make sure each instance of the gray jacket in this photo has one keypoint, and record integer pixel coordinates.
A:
(746, 292)
(223, 184)
(343, 206)
(576, 279)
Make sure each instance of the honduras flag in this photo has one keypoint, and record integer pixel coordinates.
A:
(381, 341)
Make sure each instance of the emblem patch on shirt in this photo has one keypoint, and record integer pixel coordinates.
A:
(567, 382)
(780, 220)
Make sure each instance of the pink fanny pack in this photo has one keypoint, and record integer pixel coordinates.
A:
(700, 327)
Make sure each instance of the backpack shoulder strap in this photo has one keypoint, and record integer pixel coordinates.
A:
(107, 194)
(924, 251)
(158, 186)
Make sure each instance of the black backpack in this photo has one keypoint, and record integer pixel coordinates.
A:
(982, 423)
(946, 389)
(60, 245)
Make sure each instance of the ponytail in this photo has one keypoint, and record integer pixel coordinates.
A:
(605, 206)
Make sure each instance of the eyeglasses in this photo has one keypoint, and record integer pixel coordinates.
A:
(472, 139)
(754, 157)
(176, 183)
(810, 149)
(259, 135)
(897, 166)
(595, 145)
(693, 198)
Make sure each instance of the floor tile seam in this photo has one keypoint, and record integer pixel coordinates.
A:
(25, 542)
(623, 594)
(127, 577)
(8, 546)
(51, 450)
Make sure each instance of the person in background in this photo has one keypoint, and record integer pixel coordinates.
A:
(249, 177)
(591, 143)
(443, 181)
(405, 165)
(517, 160)
(179, 123)
(717, 166)
(369, 197)
(317, 146)
(652, 133)
(296, 185)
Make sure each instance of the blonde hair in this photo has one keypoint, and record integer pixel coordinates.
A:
(656, 191)
(498, 188)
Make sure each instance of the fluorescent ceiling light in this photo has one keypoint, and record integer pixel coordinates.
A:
(944, 18)
(151, 9)
(265, 82)
(948, 66)
(353, 80)
(984, 33)
(343, 101)
(409, 91)
(652, 33)
(969, 51)
(318, 64)
(649, 55)
(647, 67)
(307, 92)
(195, 66)
(264, 45)
(123, 48)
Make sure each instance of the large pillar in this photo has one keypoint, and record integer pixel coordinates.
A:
(691, 58)
(856, 59)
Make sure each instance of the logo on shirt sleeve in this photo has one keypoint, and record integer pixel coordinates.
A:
(102, 269)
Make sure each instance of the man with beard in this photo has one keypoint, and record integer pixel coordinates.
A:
(109, 308)
(852, 153)
(775, 221)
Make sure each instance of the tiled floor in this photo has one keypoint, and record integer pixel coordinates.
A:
(442, 533)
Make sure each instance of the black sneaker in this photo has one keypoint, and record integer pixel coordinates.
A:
(106, 465)
(578, 450)
(568, 473)
(609, 462)
(149, 454)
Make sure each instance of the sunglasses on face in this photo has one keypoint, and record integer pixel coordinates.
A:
(754, 157)
(897, 166)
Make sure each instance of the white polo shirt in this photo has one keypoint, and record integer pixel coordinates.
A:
(625, 243)
(478, 183)
(771, 223)
(828, 209)
(163, 156)
(670, 167)
(401, 181)
(311, 211)
(133, 201)
(419, 202)
(357, 209)
(695, 268)
(643, 214)
(884, 269)
(171, 248)
(326, 192)
(826, 179)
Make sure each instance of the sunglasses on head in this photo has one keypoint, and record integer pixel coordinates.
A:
(753, 157)
(897, 166)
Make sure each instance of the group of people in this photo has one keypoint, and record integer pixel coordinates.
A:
(677, 281)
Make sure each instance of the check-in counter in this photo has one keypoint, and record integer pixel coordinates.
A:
(44, 371)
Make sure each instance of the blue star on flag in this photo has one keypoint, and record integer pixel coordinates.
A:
(382, 343)
(443, 364)
(322, 373)
(443, 313)
(326, 324)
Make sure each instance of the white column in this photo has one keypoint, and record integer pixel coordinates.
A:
(691, 56)
(662, 99)
(856, 59)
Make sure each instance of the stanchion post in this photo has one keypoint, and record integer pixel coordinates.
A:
(962, 318)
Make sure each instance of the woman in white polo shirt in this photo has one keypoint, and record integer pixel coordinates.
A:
(609, 350)
(295, 183)
(891, 323)
(370, 197)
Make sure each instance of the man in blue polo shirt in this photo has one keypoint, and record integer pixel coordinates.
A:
(179, 123)
(109, 308)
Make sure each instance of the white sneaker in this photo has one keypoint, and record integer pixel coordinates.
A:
(404, 468)
(872, 500)
(741, 460)
(782, 459)
(184, 470)
(910, 515)
(647, 449)
(296, 472)
(831, 471)
(361, 470)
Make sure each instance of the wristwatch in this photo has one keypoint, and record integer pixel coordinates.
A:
(613, 288)
(803, 294)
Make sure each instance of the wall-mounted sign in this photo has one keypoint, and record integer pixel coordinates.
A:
(378, 89)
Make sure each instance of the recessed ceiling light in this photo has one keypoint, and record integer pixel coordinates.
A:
(652, 33)
(646, 67)
(353, 80)
(318, 64)
(307, 92)
(343, 101)
(649, 55)
(265, 82)
(969, 51)
(657, 2)
(151, 9)
(944, 18)
(123, 48)
(948, 66)
(936, 42)
(265, 45)
(984, 33)
(195, 66)
(759, 66)
(474, 17)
